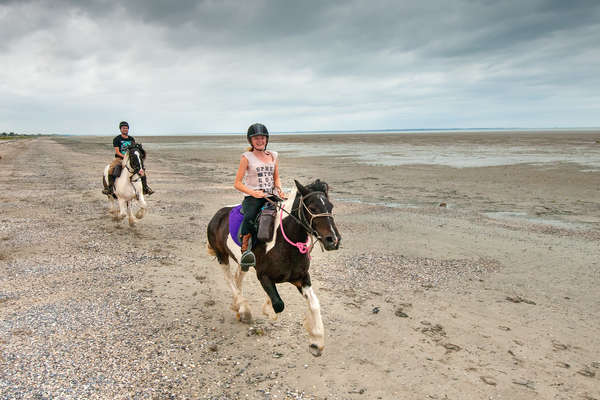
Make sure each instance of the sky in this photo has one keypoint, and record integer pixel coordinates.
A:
(217, 66)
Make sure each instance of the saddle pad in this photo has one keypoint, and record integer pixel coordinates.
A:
(235, 222)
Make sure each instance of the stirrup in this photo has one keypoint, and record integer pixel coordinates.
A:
(248, 260)
(107, 191)
(148, 191)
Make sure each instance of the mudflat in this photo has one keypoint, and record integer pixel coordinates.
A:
(469, 269)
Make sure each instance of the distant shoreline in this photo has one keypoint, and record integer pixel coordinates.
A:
(375, 132)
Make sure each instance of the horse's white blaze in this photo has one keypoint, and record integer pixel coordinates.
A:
(314, 323)
(287, 206)
(329, 219)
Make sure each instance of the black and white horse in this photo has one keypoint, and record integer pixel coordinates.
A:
(286, 258)
(128, 186)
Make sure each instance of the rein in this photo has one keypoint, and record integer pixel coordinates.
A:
(133, 173)
(303, 248)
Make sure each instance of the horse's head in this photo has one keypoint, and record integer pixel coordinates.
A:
(314, 209)
(135, 157)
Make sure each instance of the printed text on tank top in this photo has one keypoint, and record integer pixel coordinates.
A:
(260, 174)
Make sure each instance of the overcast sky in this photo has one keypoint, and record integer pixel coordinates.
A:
(183, 67)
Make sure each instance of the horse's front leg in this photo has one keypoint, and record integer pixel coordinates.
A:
(313, 322)
(113, 210)
(267, 309)
(130, 213)
(269, 287)
(142, 211)
(122, 209)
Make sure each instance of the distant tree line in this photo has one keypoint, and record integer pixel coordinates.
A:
(17, 134)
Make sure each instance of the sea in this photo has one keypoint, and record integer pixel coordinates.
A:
(529, 147)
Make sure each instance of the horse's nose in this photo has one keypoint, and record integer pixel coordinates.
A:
(331, 242)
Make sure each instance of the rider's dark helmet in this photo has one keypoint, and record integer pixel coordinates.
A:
(257, 130)
(122, 124)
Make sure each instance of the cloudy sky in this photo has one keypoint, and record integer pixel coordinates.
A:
(182, 67)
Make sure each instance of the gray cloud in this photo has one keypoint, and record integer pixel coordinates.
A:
(198, 66)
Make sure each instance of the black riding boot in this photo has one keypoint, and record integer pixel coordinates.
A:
(147, 189)
(111, 183)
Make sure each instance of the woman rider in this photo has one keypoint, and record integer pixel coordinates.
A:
(257, 177)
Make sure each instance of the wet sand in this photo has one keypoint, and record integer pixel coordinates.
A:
(491, 295)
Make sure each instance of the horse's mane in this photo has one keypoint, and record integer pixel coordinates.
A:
(140, 148)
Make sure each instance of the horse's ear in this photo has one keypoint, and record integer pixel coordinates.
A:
(303, 191)
(322, 186)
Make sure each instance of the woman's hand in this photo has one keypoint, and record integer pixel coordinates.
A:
(281, 193)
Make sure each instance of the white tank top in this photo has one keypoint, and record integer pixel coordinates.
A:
(259, 175)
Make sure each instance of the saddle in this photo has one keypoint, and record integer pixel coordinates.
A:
(265, 221)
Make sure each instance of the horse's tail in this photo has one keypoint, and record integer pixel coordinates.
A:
(217, 232)
(222, 258)
(210, 250)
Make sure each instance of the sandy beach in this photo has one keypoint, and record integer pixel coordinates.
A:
(469, 269)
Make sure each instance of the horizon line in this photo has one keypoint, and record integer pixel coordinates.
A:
(339, 131)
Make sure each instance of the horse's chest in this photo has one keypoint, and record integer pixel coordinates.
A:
(284, 272)
(126, 190)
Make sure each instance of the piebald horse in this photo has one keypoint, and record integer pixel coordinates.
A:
(128, 186)
(286, 258)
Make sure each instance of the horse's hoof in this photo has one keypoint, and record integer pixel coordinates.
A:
(245, 317)
(278, 306)
(314, 350)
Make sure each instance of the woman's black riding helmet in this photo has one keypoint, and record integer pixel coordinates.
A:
(257, 130)
(122, 124)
